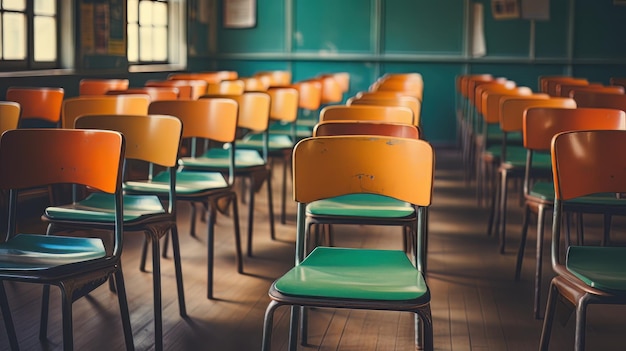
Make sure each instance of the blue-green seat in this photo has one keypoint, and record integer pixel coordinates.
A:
(76, 264)
(356, 169)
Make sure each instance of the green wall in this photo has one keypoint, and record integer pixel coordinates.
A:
(368, 38)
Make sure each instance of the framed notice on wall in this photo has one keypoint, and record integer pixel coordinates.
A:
(505, 9)
(239, 13)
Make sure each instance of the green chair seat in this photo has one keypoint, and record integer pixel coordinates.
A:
(187, 183)
(220, 159)
(494, 135)
(275, 142)
(603, 268)
(99, 207)
(33, 251)
(545, 191)
(303, 129)
(511, 151)
(361, 205)
(332, 272)
(516, 158)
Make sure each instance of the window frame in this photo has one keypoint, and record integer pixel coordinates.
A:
(29, 62)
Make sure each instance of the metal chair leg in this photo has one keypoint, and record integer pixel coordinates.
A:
(237, 234)
(581, 322)
(268, 324)
(66, 307)
(8, 321)
(45, 304)
(522, 244)
(549, 318)
(539, 261)
(178, 271)
(124, 311)
(210, 252)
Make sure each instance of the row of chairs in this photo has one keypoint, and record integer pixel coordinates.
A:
(524, 124)
(212, 117)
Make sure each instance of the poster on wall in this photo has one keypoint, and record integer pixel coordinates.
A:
(239, 13)
(102, 27)
(505, 9)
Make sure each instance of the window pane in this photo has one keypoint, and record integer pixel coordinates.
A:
(131, 11)
(16, 5)
(145, 13)
(45, 7)
(45, 39)
(159, 14)
(14, 35)
(145, 44)
(159, 47)
(133, 43)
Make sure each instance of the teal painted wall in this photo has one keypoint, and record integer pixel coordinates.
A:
(368, 38)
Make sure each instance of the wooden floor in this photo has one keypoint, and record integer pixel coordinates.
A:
(476, 304)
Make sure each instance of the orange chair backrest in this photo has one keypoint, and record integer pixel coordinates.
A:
(404, 76)
(255, 84)
(496, 85)
(491, 101)
(92, 86)
(208, 118)
(209, 77)
(133, 104)
(330, 166)
(411, 87)
(342, 78)
(94, 158)
(462, 82)
(342, 127)
(283, 104)
(585, 162)
(331, 90)
(38, 102)
(406, 101)
(190, 89)
(254, 109)
(611, 89)
(472, 83)
(9, 115)
(275, 78)
(549, 84)
(155, 93)
(159, 146)
(226, 87)
(310, 94)
(512, 109)
(599, 99)
(393, 114)
(541, 124)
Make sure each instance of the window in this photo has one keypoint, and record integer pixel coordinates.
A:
(148, 31)
(28, 34)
